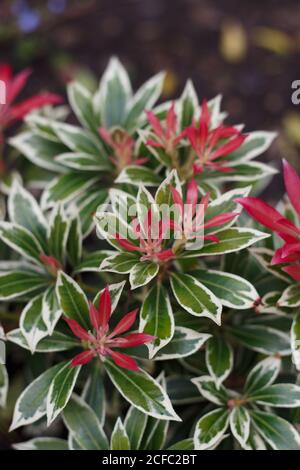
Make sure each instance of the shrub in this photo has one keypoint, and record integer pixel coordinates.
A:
(140, 211)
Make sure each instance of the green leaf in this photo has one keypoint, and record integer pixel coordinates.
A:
(137, 175)
(87, 205)
(195, 297)
(279, 395)
(111, 101)
(74, 242)
(155, 434)
(263, 339)
(60, 390)
(182, 391)
(255, 144)
(83, 161)
(210, 429)
(142, 391)
(240, 424)
(219, 358)
(31, 404)
(185, 342)
(156, 318)
(25, 211)
(21, 240)
(56, 342)
(163, 194)
(42, 443)
(144, 98)
(142, 273)
(263, 374)
(51, 312)
(119, 439)
(41, 152)
(83, 424)
(78, 139)
(94, 393)
(135, 424)
(209, 390)
(295, 341)
(58, 231)
(276, 431)
(3, 385)
(230, 240)
(246, 172)
(67, 187)
(17, 283)
(72, 300)
(290, 297)
(120, 263)
(233, 291)
(81, 102)
(92, 261)
(185, 444)
(188, 105)
(32, 324)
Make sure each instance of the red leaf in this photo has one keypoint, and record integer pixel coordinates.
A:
(104, 309)
(136, 339)
(77, 330)
(292, 185)
(20, 110)
(82, 358)
(125, 323)
(124, 361)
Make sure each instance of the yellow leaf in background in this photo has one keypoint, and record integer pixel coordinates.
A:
(274, 40)
(170, 84)
(233, 41)
(291, 124)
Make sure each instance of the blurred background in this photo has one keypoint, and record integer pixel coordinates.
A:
(248, 51)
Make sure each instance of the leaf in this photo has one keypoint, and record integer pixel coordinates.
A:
(3, 385)
(185, 444)
(74, 242)
(233, 291)
(263, 374)
(295, 341)
(195, 297)
(21, 240)
(83, 161)
(42, 443)
(240, 424)
(230, 240)
(156, 318)
(144, 98)
(120, 263)
(119, 439)
(184, 343)
(188, 105)
(210, 428)
(92, 261)
(17, 283)
(137, 175)
(111, 100)
(32, 324)
(57, 342)
(39, 151)
(279, 395)
(219, 358)
(135, 424)
(87, 205)
(81, 102)
(60, 390)
(72, 300)
(265, 340)
(209, 390)
(244, 172)
(94, 393)
(155, 434)
(115, 291)
(31, 404)
(51, 312)
(142, 273)
(163, 194)
(67, 187)
(142, 391)
(255, 144)
(58, 231)
(278, 432)
(290, 297)
(83, 424)
(182, 391)
(79, 140)
(25, 211)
